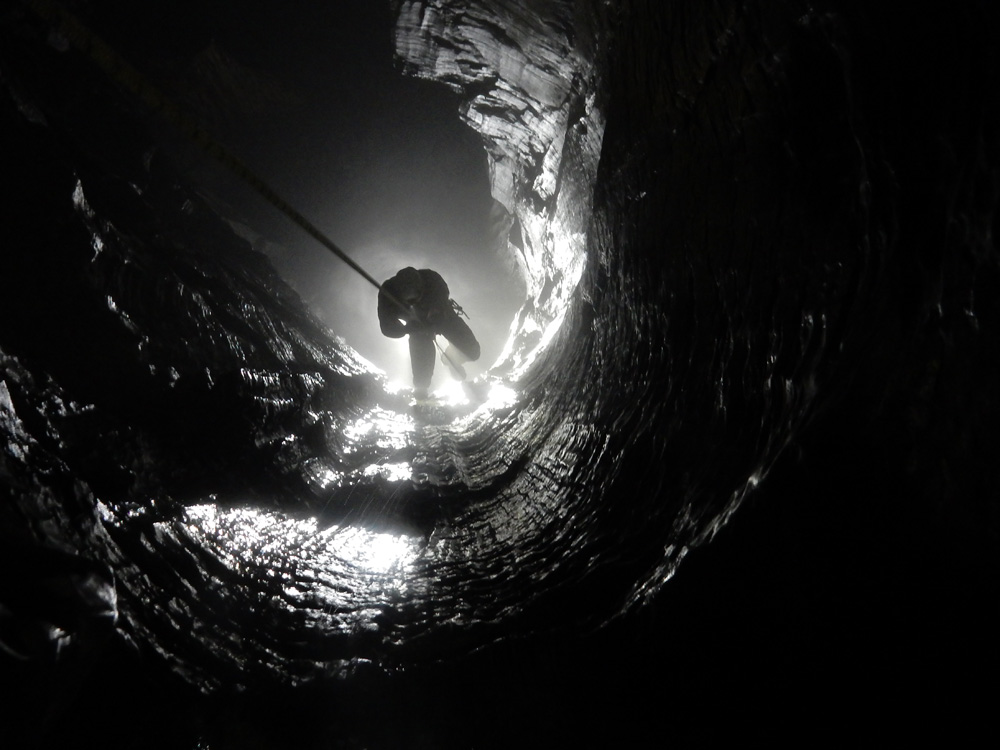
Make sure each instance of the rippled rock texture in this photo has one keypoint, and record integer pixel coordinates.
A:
(530, 83)
(735, 221)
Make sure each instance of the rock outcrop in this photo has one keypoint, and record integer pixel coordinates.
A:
(530, 81)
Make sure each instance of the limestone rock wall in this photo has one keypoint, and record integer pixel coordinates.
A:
(531, 88)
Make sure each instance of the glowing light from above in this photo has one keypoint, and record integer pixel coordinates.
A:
(500, 396)
(452, 393)
(394, 387)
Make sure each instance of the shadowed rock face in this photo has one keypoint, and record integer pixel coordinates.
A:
(731, 223)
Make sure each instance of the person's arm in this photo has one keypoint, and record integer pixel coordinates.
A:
(389, 317)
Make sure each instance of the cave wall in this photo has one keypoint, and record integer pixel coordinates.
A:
(530, 83)
(750, 230)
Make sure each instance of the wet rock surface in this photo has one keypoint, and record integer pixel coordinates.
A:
(735, 223)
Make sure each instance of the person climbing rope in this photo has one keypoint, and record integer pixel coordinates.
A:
(416, 303)
(413, 302)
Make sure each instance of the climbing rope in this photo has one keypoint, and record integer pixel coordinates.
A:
(125, 74)
(120, 70)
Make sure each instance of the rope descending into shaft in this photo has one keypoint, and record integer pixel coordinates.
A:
(119, 70)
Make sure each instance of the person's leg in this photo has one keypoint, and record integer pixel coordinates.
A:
(421, 360)
(462, 345)
(460, 335)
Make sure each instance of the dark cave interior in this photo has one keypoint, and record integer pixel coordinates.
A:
(732, 479)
